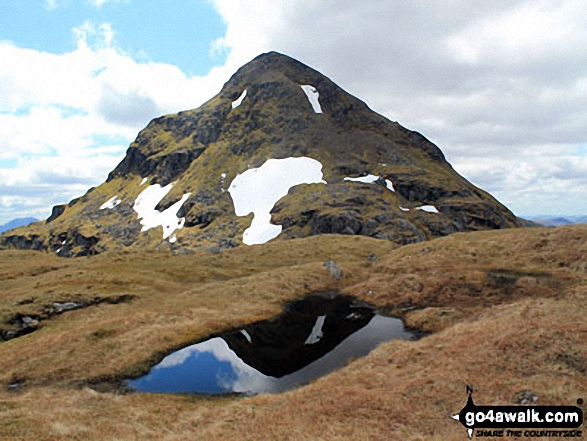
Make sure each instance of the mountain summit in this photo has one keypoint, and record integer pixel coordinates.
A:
(281, 152)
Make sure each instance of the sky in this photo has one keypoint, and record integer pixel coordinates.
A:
(500, 86)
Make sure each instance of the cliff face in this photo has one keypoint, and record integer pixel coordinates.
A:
(177, 185)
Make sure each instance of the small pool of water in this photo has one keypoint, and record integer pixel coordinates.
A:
(313, 337)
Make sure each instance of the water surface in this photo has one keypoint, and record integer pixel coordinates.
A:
(313, 337)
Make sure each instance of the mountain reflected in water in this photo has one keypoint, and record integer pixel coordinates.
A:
(313, 337)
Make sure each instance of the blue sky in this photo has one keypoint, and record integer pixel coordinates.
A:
(177, 32)
(500, 86)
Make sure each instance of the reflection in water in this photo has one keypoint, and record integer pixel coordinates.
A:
(313, 337)
(317, 333)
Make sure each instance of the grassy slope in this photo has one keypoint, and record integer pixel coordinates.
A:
(507, 308)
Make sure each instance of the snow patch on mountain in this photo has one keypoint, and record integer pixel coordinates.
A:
(371, 179)
(257, 190)
(151, 218)
(428, 208)
(312, 95)
(110, 203)
(239, 100)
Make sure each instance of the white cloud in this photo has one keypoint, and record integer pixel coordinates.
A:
(126, 107)
(99, 3)
(95, 36)
(51, 5)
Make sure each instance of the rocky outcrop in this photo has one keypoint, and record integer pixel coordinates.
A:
(132, 164)
(22, 242)
(23, 324)
(191, 131)
(65, 244)
(165, 168)
(78, 245)
(57, 211)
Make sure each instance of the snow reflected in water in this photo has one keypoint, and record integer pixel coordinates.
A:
(212, 367)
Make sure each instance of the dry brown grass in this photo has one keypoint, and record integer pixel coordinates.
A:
(507, 308)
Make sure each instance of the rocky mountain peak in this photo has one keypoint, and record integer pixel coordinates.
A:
(272, 93)
(273, 76)
(273, 66)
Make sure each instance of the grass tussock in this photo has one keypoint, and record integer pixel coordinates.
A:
(506, 312)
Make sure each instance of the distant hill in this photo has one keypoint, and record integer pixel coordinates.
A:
(528, 223)
(578, 219)
(559, 221)
(15, 223)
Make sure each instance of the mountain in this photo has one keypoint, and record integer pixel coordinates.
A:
(281, 142)
(15, 223)
(559, 221)
(553, 221)
(578, 219)
(529, 223)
